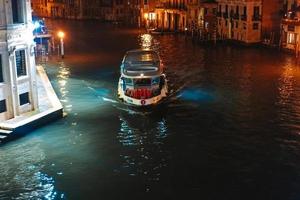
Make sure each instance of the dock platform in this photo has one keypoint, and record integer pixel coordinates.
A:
(49, 109)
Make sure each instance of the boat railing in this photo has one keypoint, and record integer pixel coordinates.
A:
(142, 93)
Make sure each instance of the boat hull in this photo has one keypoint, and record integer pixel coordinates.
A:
(142, 101)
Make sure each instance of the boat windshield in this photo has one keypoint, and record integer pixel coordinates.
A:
(141, 81)
(142, 56)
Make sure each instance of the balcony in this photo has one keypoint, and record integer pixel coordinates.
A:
(219, 14)
(180, 6)
(225, 15)
(244, 17)
(256, 18)
(291, 22)
(160, 5)
(236, 16)
(292, 18)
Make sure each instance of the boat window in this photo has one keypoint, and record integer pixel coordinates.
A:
(142, 56)
(128, 81)
(155, 80)
(142, 81)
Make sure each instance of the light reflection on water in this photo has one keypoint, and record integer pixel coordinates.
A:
(288, 97)
(62, 79)
(147, 41)
(286, 86)
(22, 177)
(143, 142)
(231, 124)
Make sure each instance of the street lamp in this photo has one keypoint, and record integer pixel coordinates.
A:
(185, 31)
(61, 36)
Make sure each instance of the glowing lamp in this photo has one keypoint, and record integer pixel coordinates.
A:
(61, 34)
(146, 15)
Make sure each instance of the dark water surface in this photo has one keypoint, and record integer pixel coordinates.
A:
(229, 130)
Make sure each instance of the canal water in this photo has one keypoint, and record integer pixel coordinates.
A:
(230, 128)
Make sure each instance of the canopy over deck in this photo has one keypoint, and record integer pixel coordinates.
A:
(137, 62)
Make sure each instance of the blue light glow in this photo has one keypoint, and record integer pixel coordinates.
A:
(195, 95)
(37, 25)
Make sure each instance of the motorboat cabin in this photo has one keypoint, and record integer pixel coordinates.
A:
(142, 81)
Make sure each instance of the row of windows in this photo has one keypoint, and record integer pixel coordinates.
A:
(23, 99)
(237, 9)
(255, 26)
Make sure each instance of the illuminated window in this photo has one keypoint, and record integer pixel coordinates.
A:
(21, 63)
(291, 39)
(24, 98)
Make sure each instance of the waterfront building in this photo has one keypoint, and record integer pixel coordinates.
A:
(72, 8)
(272, 13)
(290, 33)
(18, 87)
(56, 9)
(50, 8)
(240, 20)
(27, 98)
(148, 15)
(39, 8)
(201, 19)
(90, 9)
(124, 11)
(250, 21)
(120, 11)
(171, 15)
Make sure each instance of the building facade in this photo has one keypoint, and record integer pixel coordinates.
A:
(18, 87)
(124, 11)
(147, 13)
(240, 20)
(201, 19)
(56, 8)
(39, 7)
(272, 13)
(171, 15)
(290, 33)
(250, 21)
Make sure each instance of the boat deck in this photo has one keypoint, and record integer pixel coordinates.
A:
(145, 62)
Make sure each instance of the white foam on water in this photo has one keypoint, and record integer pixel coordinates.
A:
(109, 100)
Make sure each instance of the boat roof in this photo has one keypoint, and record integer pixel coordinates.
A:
(141, 61)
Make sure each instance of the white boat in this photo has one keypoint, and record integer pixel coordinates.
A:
(142, 81)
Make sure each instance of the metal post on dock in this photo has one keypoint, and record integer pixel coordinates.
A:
(61, 36)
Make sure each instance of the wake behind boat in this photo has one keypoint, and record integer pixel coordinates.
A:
(142, 81)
